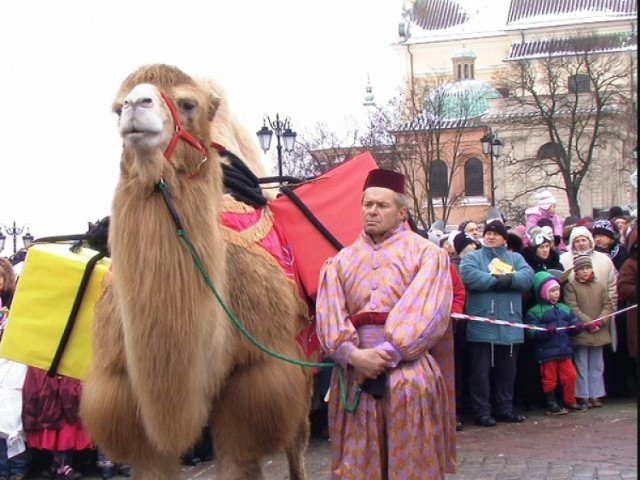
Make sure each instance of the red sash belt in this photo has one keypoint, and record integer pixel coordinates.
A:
(369, 318)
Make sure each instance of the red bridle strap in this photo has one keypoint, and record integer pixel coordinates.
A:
(180, 132)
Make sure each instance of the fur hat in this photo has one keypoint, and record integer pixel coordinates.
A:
(546, 286)
(581, 261)
(514, 242)
(604, 227)
(496, 226)
(385, 179)
(546, 199)
(463, 240)
(615, 211)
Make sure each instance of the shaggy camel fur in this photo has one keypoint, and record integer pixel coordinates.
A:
(167, 360)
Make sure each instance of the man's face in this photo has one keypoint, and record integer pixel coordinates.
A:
(581, 244)
(621, 223)
(380, 212)
(472, 229)
(602, 241)
(494, 240)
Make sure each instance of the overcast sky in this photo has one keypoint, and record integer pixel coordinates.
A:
(62, 62)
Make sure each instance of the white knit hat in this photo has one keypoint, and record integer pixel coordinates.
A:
(546, 199)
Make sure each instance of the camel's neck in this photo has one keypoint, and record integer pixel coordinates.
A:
(150, 258)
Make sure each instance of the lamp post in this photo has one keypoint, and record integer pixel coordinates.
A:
(15, 232)
(492, 146)
(283, 131)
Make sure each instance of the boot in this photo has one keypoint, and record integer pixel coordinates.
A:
(552, 405)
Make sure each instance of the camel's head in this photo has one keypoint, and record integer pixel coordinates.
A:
(164, 120)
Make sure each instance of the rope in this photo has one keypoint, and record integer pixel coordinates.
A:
(524, 326)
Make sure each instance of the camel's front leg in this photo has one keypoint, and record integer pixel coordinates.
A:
(108, 407)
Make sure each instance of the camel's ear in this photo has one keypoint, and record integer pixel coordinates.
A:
(214, 103)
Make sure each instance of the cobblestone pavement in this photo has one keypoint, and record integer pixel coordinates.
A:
(600, 444)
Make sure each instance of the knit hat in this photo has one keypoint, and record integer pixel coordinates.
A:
(496, 226)
(581, 261)
(546, 199)
(519, 230)
(604, 227)
(546, 286)
(461, 241)
(580, 232)
(385, 179)
(537, 236)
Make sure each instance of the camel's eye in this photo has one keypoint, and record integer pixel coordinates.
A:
(187, 105)
(117, 110)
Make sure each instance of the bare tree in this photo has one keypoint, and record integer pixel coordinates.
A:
(577, 96)
(320, 150)
(427, 128)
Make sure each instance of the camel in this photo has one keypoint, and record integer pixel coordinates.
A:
(167, 360)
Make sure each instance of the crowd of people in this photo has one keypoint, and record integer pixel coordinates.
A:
(576, 272)
(491, 318)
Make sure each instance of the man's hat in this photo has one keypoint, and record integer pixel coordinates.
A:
(496, 226)
(385, 179)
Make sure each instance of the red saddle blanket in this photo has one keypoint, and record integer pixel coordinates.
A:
(334, 199)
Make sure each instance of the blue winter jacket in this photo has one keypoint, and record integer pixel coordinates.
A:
(484, 301)
(550, 346)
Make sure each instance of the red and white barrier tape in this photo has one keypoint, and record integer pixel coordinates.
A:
(462, 316)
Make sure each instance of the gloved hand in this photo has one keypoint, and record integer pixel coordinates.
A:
(551, 330)
(503, 282)
(579, 326)
(594, 326)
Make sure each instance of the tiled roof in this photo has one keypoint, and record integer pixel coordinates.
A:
(563, 46)
(425, 121)
(523, 9)
(438, 14)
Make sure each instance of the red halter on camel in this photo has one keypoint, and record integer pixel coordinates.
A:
(181, 133)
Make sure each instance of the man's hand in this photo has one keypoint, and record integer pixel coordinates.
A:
(503, 282)
(369, 362)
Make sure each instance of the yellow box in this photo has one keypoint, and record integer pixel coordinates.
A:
(43, 300)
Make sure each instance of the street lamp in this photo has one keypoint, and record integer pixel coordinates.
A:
(15, 232)
(283, 131)
(492, 146)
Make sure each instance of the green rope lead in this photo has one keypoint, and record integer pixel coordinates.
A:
(343, 394)
(232, 317)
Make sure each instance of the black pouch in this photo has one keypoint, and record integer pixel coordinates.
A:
(375, 386)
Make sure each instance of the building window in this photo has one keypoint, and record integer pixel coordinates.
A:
(459, 72)
(579, 84)
(466, 70)
(438, 183)
(473, 178)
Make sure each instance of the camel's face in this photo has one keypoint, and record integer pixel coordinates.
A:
(143, 117)
(163, 112)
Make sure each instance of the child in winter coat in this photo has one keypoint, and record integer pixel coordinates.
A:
(553, 348)
(590, 301)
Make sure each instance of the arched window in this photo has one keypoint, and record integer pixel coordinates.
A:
(459, 72)
(549, 150)
(438, 183)
(466, 70)
(473, 178)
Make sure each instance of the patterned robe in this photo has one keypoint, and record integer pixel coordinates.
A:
(410, 433)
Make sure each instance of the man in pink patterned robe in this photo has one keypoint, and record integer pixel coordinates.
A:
(383, 312)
